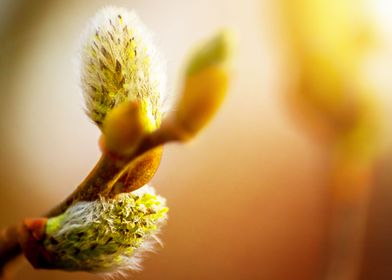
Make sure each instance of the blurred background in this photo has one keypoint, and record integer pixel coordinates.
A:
(249, 197)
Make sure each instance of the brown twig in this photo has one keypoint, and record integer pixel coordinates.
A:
(110, 166)
(350, 194)
(108, 170)
(9, 246)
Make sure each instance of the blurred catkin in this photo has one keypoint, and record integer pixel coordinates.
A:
(329, 42)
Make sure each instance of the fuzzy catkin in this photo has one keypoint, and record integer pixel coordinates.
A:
(120, 63)
(107, 235)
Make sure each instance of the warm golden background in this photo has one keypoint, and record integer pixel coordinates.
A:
(247, 197)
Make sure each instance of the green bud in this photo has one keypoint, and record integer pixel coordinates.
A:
(216, 51)
(205, 86)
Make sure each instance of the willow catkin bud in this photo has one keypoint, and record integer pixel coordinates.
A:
(120, 63)
(103, 236)
(121, 66)
(205, 87)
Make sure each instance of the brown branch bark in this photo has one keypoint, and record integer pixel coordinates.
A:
(9, 246)
(350, 194)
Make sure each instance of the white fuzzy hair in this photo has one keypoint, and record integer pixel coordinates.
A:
(105, 21)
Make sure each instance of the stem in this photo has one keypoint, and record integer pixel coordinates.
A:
(95, 184)
(349, 210)
(109, 166)
(9, 246)
(346, 246)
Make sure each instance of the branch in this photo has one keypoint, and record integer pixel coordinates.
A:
(95, 184)
(9, 246)
(131, 146)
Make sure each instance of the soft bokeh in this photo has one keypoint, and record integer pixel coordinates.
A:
(247, 198)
